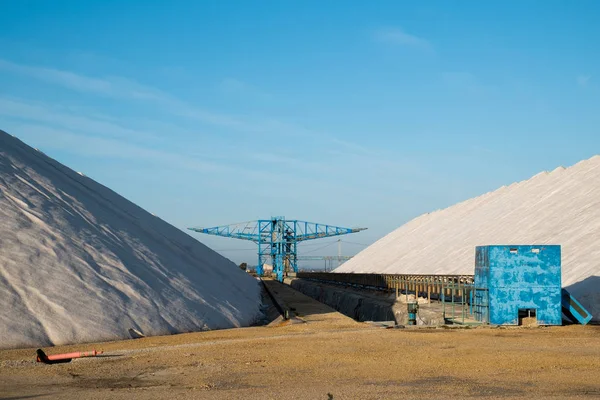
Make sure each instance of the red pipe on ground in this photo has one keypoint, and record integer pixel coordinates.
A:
(78, 354)
(63, 358)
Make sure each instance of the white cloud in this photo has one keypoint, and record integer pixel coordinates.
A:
(123, 88)
(236, 87)
(231, 85)
(398, 37)
(84, 144)
(54, 127)
(126, 89)
(108, 86)
(465, 82)
(583, 80)
(56, 116)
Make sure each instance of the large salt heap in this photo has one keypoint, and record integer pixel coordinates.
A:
(559, 207)
(80, 263)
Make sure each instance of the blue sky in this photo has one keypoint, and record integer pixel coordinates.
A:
(344, 112)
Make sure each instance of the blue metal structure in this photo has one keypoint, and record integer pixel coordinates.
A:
(512, 282)
(574, 310)
(413, 309)
(277, 239)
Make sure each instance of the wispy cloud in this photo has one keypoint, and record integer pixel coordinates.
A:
(117, 87)
(49, 138)
(226, 161)
(583, 80)
(54, 127)
(126, 89)
(97, 124)
(358, 149)
(283, 158)
(236, 87)
(465, 82)
(73, 142)
(231, 85)
(397, 36)
(107, 86)
(63, 139)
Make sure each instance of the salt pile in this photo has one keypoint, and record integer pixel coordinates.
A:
(558, 207)
(79, 263)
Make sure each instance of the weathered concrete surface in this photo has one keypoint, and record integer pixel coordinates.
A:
(367, 305)
(353, 303)
(304, 307)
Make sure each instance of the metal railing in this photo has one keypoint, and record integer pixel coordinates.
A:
(455, 292)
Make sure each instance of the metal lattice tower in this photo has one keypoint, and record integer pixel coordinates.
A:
(277, 239)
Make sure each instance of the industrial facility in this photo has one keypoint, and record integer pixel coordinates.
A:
(143, 277)
(512, 285)
(539, 276)
(418, 185)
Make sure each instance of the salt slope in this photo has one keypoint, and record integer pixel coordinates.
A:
(558, 207)
(79, 263)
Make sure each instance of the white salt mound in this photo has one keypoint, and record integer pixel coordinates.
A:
(79, 263)
(559, 207)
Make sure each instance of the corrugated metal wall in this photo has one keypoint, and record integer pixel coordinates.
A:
(513, 278)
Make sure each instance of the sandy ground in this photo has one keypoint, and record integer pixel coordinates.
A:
(319, 355)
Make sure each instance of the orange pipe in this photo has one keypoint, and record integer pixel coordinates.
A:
(78, 354)
(63, 358)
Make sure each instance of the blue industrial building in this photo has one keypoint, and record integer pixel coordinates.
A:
(513, 282)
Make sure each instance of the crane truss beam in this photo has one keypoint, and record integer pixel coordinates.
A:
(277, 239)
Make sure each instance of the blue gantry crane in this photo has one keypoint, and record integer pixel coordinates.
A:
(277, 239)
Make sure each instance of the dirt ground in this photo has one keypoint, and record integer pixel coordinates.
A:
(321, 355)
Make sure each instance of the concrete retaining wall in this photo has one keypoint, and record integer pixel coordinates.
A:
(368, 305)
(348, 301)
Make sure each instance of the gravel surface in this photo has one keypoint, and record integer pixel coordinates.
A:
(323, 354)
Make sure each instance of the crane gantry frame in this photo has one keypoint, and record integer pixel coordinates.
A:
(277, 239)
